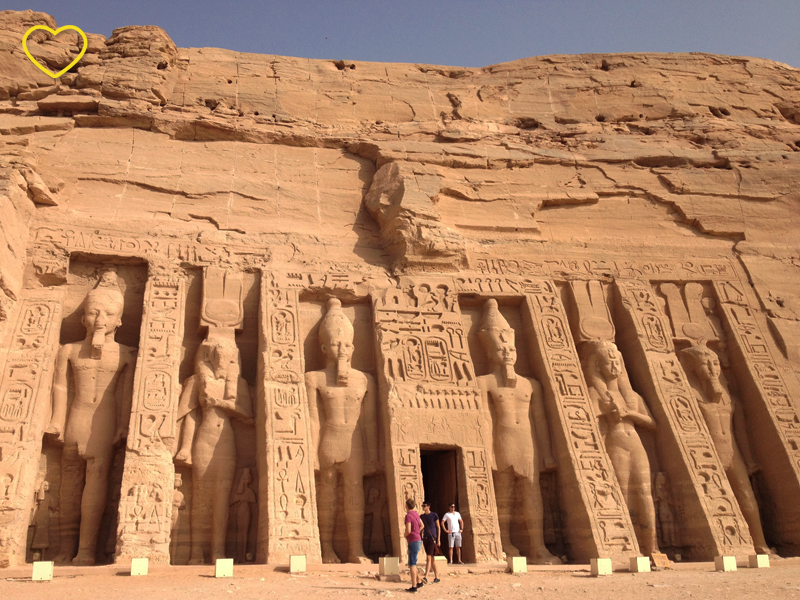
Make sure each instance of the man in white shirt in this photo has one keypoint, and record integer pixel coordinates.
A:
(453, 526)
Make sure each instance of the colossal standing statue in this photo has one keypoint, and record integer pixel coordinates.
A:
(620, 410)
(514, 406)
(211, 397)
(344, 433)
(98, 418)
(725, 416)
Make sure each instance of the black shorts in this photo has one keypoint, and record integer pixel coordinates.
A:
(430, 546)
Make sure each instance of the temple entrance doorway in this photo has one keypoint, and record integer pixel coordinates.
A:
(439, 482)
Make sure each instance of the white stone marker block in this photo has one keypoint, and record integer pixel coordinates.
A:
(640, 564)
(224, 567)
(42, 570)
(725, 563)
(388, 565)
(297, 563)
(759, 561)
(139, 566)
(517, 564)
(600, 566)
(441, 565)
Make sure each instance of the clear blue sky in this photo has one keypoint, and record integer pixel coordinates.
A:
(467, 33)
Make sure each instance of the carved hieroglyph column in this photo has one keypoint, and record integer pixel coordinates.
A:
(429, 396)
(772, 408)
(145, 508)
(287, 492)
(25, 386)
(711, 521)
(598, 523)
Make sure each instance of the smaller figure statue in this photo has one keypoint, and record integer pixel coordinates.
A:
(211, 397)
(40, 521)
(343, 432)
(665, 510)
(242, 507)
(514, 408)
(98, 417)
(178, 506)
(725, 417)
(620, 410)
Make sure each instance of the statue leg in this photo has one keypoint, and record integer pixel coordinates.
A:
(534, 518)
(353, 478)
(740, 482)
(326, 505)
(73, 477)
(200, 524)
(642, 496)
(93, 504)
(220, 506)
(173, 536)
(504, 484)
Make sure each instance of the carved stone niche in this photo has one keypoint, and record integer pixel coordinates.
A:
(58, 521)
(351, 530)
(475, 318)
(222, 312)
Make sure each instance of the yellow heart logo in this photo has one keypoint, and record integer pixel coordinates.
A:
(55, 33)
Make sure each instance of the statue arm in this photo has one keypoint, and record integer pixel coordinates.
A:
(742, 437)
(541, 427)
(313, 413)
(486, 417)
(369, 427)
(642, 416)
(187, 415)
(125, 397)
(59, 415)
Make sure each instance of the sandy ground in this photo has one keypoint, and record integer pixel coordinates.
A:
(697, 581)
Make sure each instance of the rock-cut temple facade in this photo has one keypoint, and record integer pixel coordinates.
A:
(251, 304)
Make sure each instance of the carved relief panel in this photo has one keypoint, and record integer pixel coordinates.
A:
(25, 387)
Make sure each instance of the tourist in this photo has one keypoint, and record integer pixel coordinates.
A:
(430, 541)
(453, 526)
(413, 528)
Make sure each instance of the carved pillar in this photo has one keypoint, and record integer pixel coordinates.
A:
(287, 492)
(711, 522)
(598, 523)
(25, 386)
(145, 508)
(771, 407)
(429, 396)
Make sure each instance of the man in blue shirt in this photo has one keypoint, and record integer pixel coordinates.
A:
(430, 540)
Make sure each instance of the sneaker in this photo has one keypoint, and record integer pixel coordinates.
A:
(437, 580)
(412, 589)
(424, 580)
(420, 584)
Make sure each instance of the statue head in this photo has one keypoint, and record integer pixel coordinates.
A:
(605, 358)
(336, 339)
(220, 352)
(247, 477)
(704, 363)
(177, 481)
(102, 312)
(498, 339)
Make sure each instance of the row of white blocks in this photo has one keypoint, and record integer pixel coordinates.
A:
(43, 570)
(641, 564)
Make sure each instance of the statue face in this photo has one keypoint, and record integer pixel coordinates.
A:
(222, 357)
(708, 367)
(102, 313)
(501, 347)
(611, 364)
(339, 348)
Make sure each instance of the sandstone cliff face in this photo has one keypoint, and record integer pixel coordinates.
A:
(571, 167)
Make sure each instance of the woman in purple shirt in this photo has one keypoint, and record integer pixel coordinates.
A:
(413, 527)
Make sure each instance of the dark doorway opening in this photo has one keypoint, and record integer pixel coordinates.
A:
(439, 480)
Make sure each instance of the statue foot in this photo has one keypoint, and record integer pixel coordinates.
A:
(84, 559)
(764, 550)
(359, 560)
(543, 557)
(63, 559)
(196, 561)
(511, 550)
(330, 557)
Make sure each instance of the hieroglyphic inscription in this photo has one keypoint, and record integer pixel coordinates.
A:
(287, 493)
(701, 268)
(25, 386)
(148, 477)
(714, 524)
(765, 381)
(578, 437)
(481, 510)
